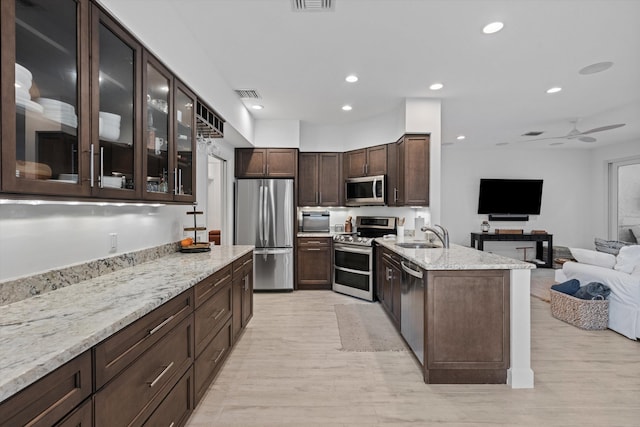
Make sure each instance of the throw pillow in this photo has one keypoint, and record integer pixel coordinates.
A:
(628, 259)
(587, 256)
(609, 246)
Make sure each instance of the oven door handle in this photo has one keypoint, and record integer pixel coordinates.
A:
(349, 270)
(352, 249)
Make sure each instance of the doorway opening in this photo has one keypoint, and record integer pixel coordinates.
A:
(217, 200)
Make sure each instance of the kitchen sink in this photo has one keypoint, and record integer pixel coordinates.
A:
(417, 245)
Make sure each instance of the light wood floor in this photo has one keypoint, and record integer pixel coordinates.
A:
(288, 370)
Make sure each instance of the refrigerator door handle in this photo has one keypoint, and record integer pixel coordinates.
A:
(265, 216)
(261, 215)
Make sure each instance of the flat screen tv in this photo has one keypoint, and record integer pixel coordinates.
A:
(505, 197)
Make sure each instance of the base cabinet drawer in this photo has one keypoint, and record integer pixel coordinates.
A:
(81, 417)
(176, 408)
(47, 401)
(211, 317)
(212, 284)
(134, 394)
(210, 360)
(118, 351)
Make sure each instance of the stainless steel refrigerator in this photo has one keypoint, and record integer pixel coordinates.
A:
(264, 215)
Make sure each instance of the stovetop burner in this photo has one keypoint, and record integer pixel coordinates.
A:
(369, 227)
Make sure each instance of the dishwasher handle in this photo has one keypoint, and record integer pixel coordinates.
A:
(414, 273)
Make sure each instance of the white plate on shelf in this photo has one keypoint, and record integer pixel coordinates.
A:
(30, 105)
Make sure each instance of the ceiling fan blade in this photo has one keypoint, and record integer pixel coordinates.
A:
(603, 128)
(544, 139)
(587, 139)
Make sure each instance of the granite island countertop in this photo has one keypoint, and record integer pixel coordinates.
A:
(455, 258)
(40, 334)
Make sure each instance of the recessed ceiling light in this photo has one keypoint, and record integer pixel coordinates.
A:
(556, 143)
(352, 78)
(555, 89)
(257, 107)
(502, 143)
(436, 86)
(494, 27)
(460, 137)
(596, 68)
(347, 107)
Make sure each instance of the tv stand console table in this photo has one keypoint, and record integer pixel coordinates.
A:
(480, 238)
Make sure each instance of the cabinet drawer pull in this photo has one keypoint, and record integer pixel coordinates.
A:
(157, 328)
(222, 351)
(315, 242)
(386, 255)
(172, 424)
(218, 314)
(312, 249)
(164, 371)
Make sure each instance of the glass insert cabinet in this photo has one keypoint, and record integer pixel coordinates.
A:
(87, 111)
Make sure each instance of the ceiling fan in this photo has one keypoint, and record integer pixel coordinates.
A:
(579, 135)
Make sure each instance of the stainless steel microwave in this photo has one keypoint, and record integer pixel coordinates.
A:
(365, 191)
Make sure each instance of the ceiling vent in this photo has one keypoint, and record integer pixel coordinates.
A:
(533, 133)
(312, 5)
(248, 94)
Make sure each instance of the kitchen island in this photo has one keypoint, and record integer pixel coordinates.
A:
(42, 334)
(475, 312)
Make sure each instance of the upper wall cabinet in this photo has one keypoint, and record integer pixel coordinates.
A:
(116, 73)
(86, 111)
(366, 162)
(320, 179)
(45, 97)
(169, 123)
(410, 184)
(266, 162)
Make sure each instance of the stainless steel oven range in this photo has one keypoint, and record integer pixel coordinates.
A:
(353, 264)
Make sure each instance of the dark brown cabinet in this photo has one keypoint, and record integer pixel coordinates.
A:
(408, 177)
(89, 119)
(366, 162)
(47, 401)
(266, 162)
(242, 294)
(314, 262)
(467, 326)
(320, 179)
(389, 283)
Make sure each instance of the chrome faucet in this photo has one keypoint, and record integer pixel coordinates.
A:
(440, 232)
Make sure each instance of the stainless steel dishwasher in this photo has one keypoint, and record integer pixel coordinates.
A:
(412, 303)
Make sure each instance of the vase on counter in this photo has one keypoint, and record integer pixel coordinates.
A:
(485, 226)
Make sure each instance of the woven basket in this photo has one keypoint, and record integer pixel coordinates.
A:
(585, 314)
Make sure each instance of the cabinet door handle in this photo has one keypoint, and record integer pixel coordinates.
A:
(320, 192)
(91, 165)
(267, 169)
(264, 169)
(218, 314)
(172, 424)
(395, 194)
(219, 355)
(175, 180)
(364, 169)
(246, 282)
(164, 322)
(179, 181)
(100, 179)
(164, 371)
(389, 273)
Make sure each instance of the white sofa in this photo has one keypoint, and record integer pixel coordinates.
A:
(621, 273)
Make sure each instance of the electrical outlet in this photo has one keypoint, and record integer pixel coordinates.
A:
(113, 239)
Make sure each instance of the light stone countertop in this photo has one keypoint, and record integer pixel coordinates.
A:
(455, 258)
(40, 334)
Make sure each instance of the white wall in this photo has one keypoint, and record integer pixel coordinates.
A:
(277, 133)
(567, 196)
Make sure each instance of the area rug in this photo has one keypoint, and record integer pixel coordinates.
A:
(541, 281)
(366, 328)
